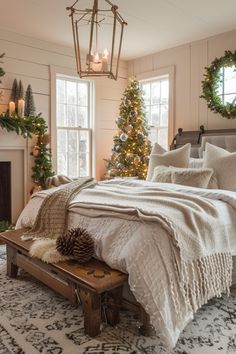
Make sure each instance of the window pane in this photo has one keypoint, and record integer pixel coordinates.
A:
(73, 164)
(148, 115)
(71, 115)
(84, 142)
(61, 140)
(155, 93)
(155, 116)
(164, 115)
(146, 93)
(157, 110)
(230, 80)
(61, 163)
(71, 92)
(82, 117)
(82, 94)
(72, 141)
(220, 84)
(164, 91)
(229, 98)
(61, 115)
(73, 145)
(153, 135)
(84, 164)
(60, 91)
(163, 138)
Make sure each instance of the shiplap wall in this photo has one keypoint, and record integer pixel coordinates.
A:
(189, 61)
(29, 60)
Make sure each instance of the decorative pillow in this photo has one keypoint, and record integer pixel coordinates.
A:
(177, 158)
(195, 163)
(162, 174)
(224, 165)
(194, 177)
(157, 149)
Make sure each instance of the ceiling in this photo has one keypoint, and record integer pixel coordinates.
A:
(153, 25)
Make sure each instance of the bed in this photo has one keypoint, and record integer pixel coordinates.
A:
(132, 235)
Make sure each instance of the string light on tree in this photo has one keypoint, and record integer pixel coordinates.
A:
(132, 148)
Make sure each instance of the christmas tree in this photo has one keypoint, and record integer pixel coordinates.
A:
(2, 72)
(29, 102)
(43, 164)
(20, 91)
(130, 154)
(15, 92)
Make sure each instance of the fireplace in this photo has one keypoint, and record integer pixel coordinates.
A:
(5, 191)
(13, 182)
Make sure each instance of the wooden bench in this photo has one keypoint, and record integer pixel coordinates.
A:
(94, 283)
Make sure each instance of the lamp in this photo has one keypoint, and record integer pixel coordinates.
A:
(102, 54)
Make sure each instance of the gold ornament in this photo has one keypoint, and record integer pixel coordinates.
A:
(129, 128)
(46, 139)
(36, 151)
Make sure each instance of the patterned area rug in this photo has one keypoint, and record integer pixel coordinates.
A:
(33, 320)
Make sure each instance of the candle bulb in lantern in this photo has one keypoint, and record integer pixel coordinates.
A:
(21, 107)
(96, 64)
(12, 108)
(105, 60)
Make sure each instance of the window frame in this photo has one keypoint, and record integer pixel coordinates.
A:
(152, 76)
(56, 73)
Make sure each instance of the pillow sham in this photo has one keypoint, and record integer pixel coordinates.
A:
(195, 163)
(194, 177)
(224, 165)
(157, 149)
(177, 158)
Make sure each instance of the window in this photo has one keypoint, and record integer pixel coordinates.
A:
(73, 126)
(227, 87)
(156, 98)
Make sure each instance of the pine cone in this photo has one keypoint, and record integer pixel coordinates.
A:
(65, 243)
(83, 246)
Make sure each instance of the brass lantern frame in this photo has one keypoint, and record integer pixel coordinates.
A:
(77, 16)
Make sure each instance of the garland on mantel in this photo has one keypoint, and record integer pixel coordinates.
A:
(27, 127)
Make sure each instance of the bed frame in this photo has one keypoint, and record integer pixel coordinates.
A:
(225, 138)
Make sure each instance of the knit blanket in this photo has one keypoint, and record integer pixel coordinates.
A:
(173, 244)
(51, 220)
(198, 242)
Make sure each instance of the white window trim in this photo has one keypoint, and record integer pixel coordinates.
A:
(71, 74)
(169, 72)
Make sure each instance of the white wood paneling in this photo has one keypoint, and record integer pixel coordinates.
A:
(29, 60)
(190, 61)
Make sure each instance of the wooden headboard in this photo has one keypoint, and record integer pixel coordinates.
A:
(225, 138)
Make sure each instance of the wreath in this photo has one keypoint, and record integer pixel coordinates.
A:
(210, 86)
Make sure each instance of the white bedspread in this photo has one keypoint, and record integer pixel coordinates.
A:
(142, 250)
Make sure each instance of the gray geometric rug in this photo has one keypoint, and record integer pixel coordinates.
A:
(34, 319)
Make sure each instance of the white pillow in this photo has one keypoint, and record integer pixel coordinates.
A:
(194, 177)
(195, 163)
(224, 165)
(177, 158)
(157, 149)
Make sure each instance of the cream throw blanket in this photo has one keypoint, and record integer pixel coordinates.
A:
(201, 263)
(51, 220)
(199, 244)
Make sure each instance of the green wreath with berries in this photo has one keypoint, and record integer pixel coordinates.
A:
(211, 83)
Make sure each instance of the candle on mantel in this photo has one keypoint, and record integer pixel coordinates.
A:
(21, 107)
(105, 60)
(12, 108)
(96, 65)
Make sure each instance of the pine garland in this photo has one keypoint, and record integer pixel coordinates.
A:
(28, 126)
(210, 85)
